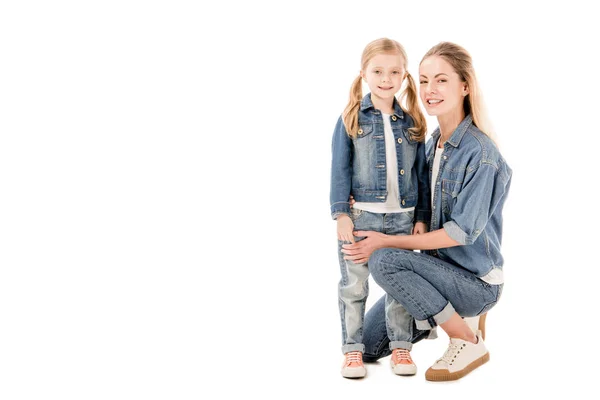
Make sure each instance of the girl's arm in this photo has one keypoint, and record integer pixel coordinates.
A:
(341, 171)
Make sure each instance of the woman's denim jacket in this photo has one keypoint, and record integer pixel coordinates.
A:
(359, 165)
(469, 194)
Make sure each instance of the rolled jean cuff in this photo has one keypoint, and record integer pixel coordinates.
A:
(398, 344)
(347, 348)
(437, 319)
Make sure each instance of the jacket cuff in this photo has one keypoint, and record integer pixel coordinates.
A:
(342, 207)
(454, 231)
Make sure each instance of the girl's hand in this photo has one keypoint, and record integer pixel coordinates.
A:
(344, 228)
(419, 228)
(351, 201)
(360, 252)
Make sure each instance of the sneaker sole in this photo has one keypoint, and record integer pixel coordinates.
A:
(405, 371)
(443, 375)
(354, 373)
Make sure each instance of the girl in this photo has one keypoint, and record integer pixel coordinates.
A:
(379, 159)
(461, 274)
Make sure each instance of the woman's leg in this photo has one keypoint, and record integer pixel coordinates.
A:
(430, 289)
(435, 293)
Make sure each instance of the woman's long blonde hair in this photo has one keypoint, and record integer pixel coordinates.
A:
(350, 115)
(461, 62)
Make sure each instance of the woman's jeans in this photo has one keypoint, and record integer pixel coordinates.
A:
(353, 288)
(430, 289)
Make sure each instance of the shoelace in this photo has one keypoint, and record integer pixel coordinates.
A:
(450, 353)
(402, 354)
(353, 357)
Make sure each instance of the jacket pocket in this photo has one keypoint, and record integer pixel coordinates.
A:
(450, 191)
(364, 130)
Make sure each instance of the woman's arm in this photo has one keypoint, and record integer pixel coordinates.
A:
(360, 252)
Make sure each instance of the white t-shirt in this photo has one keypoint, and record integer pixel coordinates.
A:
(392, 202)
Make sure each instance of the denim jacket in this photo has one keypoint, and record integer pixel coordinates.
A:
(468, 197)
(359, 165)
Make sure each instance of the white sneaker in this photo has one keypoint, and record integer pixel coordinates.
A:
(461, 358)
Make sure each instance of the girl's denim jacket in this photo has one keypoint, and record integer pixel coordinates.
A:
(359, 165)
(469, 194)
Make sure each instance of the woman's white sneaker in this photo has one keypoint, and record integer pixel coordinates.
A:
(460, 358)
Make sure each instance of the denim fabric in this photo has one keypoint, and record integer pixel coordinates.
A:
(375, 333)
(469, 195)
(359, 165)
(431, 289)
(353, 288)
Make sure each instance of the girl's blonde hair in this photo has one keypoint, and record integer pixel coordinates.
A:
(350, 115)
(461, 62)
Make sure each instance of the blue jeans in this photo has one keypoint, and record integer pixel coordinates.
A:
(430, 289)
(353, 288)
(375, 336)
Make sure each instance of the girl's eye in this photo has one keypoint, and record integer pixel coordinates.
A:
(377, 72)
(422, 82)
(396, 72)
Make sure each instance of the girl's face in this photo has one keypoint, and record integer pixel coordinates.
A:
(440, 88)
(384, 75)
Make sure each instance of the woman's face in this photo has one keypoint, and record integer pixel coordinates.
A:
(440, 87)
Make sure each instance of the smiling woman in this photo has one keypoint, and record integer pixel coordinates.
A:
(459, 273)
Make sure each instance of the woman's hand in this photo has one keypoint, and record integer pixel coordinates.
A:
(351, 201)
(419, 228)
(344, 228)
(360, 252)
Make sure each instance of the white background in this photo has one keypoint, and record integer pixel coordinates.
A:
(164, 203)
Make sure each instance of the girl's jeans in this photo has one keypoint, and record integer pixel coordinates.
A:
(354, 286)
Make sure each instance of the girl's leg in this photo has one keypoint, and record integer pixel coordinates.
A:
(399, 321)
(375, 336)
(354, 285)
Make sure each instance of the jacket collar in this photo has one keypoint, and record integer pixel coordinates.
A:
(366, 104)
(458, 133)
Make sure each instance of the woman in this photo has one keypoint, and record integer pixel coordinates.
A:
(460, 274)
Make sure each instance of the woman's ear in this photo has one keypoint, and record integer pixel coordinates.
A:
(465, 90)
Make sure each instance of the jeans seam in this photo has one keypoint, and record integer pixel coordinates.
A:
(402, 291)
(473, 278)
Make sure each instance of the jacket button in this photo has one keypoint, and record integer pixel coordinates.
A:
(401, 172)
(360, 131)
(403, 202)
(399, 140)
(394, 118)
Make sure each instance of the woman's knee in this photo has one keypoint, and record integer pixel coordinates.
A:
(385, 261)
(379, 263)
